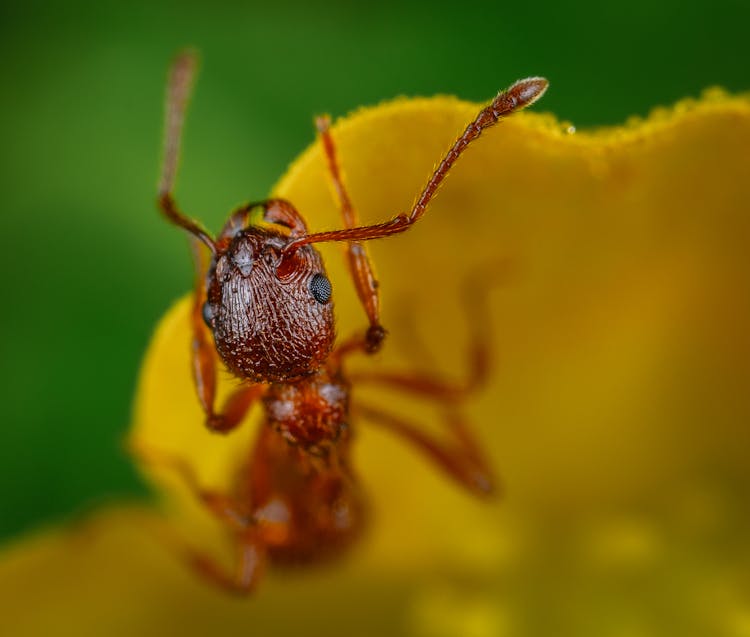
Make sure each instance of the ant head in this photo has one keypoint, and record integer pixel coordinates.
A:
(272, 318)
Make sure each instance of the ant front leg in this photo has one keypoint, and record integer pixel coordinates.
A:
(475, 291)
(360, 266)
(179, 87)
(204, 362)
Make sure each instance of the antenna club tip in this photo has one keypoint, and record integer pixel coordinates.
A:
(188, 55)
(528, 90)
(185, 64)
(323, 123)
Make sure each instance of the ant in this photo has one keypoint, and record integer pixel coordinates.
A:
(266, 300)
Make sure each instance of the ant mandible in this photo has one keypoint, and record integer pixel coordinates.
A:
(265, 297)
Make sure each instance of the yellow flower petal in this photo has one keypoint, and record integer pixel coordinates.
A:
(110, 577)
(616, 414)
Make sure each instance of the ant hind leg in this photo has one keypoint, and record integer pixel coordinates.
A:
(249, 560)
(249, 564)
(223, 507)
(250, 550)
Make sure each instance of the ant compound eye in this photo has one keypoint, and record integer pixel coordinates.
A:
(320, 288)
(208, 314)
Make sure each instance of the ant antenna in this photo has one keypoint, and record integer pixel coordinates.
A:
(179, 89)
(520, 95)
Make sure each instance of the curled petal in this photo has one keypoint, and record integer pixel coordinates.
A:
(616, 412)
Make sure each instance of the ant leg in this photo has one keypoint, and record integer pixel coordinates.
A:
(249, 561)
(360, 266)
(518, 96)
(223, 507)
(250, 550)
(249, 565)
(432, 386)
(204, 362)
(461, 460)
(179, 87)
(474, 300)
(464, 460)
(425, 385)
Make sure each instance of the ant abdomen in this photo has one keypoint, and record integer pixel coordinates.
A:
(269, 325)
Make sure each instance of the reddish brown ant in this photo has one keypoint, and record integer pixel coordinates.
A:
(266, 299)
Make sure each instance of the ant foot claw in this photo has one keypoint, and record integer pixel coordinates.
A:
(374, 338)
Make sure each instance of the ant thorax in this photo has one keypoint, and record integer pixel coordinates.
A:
(311, 414)
(269, 326)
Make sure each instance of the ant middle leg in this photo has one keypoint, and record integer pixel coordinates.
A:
(462, 457)
(360, 266)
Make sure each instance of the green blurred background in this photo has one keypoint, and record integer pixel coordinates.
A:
(89, 265)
